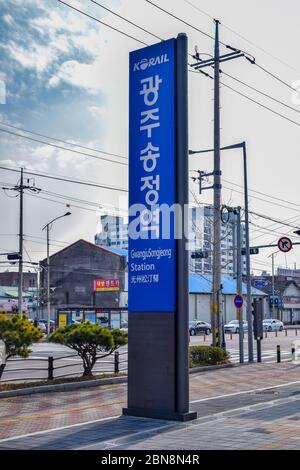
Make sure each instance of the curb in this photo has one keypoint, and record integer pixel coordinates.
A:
(92, 383)
(206, 368)
(62, 387)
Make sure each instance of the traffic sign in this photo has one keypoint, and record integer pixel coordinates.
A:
(285, 244)
(238, 301)
(260, 283)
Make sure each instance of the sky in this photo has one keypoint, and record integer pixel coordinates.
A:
(66, 76)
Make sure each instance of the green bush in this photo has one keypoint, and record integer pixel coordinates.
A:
(207, 355)
(90, 341)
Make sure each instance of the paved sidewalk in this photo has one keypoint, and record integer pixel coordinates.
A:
(231, 396)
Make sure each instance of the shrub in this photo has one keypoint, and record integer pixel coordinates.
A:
(90, 341)
(207, 355)
(18, 334)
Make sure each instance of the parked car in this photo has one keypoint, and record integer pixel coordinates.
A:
(52, 324)
(197, 327)
(234, 327)
(272, 324)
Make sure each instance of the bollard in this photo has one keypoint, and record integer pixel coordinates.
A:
(50, 367)
(278, 353)
(276, 333)
(296, 332)
(204, 338)
(266, 334)
(117, 362)
(231, 335)
(285, 332)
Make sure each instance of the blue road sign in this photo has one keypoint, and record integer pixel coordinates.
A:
(260, 283)
(152, 257)
(238, 301)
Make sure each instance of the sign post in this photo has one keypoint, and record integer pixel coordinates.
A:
(158, 372)
(285, 244)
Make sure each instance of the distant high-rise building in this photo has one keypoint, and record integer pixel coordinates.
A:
(201, 232)
(114, 232)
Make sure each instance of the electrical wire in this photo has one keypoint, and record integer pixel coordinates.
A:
(260, 92)
(61, 147)
(127, 20)
(59, 178)
(63, 141)
(244, 38)
(102, 22)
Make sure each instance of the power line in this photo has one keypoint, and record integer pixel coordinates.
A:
(260, 92)
(252, 100)
(63, 141)
(68, 180)
(101, 22)
(263, 194)
(126, 19)
(182, 21)
(61, 147)
(275, 76)
(244, 38)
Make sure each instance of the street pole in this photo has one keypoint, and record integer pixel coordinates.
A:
(216, 323)
(239, 282)
(47, 227)
(48, 284)
(273, 287)
(248, 266)
(20, 277)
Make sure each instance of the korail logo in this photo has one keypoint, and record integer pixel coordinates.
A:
(146, 63)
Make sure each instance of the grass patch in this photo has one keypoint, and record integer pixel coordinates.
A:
(62, 380)
(207, 356)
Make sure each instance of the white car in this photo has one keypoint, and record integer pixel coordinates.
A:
(234, 327)
(272, 324)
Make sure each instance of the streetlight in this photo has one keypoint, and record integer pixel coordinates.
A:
(47, 227)
(242, 145)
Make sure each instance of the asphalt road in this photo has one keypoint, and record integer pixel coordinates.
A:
(36, 367)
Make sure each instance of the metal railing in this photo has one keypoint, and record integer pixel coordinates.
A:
(113, 363)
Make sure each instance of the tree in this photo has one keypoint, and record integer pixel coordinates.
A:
(90, 341)
(18, 334)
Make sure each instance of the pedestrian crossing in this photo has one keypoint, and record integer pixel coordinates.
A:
(268, 355)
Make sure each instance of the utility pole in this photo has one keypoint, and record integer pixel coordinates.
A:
(20, 189)
(20, 281)
(239, 281)
(215, 63)
(216, 324)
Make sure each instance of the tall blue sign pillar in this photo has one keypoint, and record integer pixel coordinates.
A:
(158, 379)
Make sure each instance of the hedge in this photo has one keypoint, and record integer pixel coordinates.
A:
(207, 355)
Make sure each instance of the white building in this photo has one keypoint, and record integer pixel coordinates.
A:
(114, 232)
(201, 238)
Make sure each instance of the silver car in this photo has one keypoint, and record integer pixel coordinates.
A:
(234, 327)
(272, 324)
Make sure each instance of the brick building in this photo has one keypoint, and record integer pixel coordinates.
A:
(11, 279)
(73, 272)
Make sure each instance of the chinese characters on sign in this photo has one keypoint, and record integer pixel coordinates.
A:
(105, 285)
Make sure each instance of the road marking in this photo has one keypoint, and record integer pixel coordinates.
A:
(247, 391)
(21, 436)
